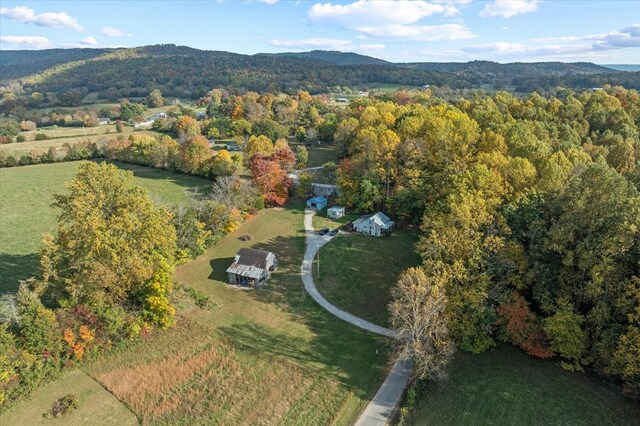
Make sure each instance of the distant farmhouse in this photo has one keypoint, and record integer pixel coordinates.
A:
(325, 190)
(104, 120)
(252, 268)
(377, 224)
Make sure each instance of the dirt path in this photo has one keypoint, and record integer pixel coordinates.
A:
(381, 407)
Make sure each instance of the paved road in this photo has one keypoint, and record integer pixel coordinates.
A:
(379, 410)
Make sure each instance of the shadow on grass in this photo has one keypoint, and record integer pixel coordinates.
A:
(219, 267)
(355, 357)
(180, 179)
(15, 267)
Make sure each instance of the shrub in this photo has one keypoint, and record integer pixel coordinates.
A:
(63, 406)
(41, 136)
(20, 138)
(11, 161)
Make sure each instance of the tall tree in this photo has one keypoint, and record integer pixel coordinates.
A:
(112, 243)
(418, 313)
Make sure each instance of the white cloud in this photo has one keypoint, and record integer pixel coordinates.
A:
(620, 39)
(48, 19)
(382, 12)
(313, 43)
(29, 42)
(113, 32)
(419, 32)
(570, 46)
(89, 41)
(509, 8)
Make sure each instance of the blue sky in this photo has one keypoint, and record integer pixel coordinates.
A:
(402, 31)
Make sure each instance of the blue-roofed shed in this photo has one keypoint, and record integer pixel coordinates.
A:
(317, 203)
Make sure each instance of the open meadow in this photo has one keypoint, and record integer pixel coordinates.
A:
(505, 386)
(18, 149)
(25, 212)
(269, 356)
(357, 272)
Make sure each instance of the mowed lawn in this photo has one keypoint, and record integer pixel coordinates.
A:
(507, 387)
(357, 272)
(267, 356)
(26, 213)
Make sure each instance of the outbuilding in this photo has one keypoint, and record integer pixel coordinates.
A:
(376, 224)
(336, 212)
(252, 268)
(325, 190)
(317, 203)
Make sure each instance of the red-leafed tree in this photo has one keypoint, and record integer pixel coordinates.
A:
(520, 326)
(270, 179)
(284, 157)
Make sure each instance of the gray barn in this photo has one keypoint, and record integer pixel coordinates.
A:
(251, 267)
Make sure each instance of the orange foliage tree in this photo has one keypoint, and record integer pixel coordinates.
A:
(520, 326)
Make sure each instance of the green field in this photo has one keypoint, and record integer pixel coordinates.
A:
(357, 272)
(25, 212)
(96, 406)
(23, 148)
(507, 387)
(268, 356)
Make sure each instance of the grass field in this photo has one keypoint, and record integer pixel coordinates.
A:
(269, 356)
(357, 272)
(319, 155)
(96, 406)
(25, 212)
(507, 387)
(23, 148)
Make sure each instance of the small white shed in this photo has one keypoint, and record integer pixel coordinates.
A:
(336, 212)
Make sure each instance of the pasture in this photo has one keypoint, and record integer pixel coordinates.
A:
(18, 149)
(96, 405)
(505, 386)
(357, 272)
(25, 212)
(268, 356)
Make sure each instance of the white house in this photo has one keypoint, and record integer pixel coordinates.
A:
(335, 212)
(377, 224)
(251, 267)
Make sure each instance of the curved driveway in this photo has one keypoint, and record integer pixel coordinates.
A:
(383, 404)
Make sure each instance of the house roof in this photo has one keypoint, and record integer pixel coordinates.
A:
(336, 208)
(318, 199)
(250, 262)
(379, 218)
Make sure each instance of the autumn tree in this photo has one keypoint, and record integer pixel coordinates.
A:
(112, 246)
(418, 313)
(155, 98)
(259, 145)
(192, 154)
(270, 179)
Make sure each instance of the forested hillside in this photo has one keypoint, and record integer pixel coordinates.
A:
(185, 72)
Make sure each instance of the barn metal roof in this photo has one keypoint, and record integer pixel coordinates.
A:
(250, 263)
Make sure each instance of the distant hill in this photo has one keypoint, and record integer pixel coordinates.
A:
(623, 67)
(181, 71)
(333, 57)
(18, 63)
